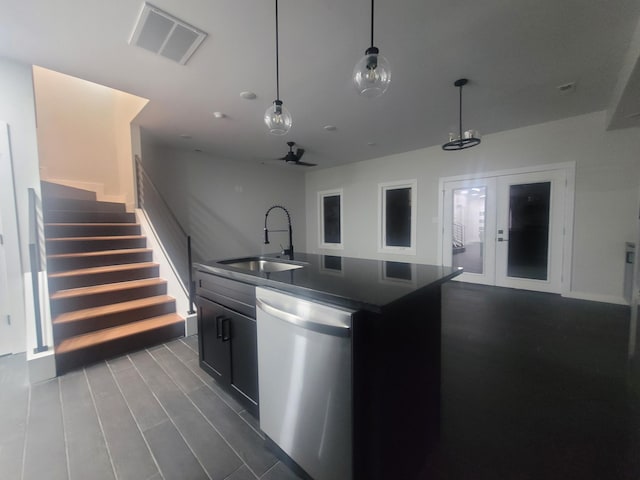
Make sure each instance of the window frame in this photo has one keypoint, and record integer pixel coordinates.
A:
(382, 231)
(321, 195)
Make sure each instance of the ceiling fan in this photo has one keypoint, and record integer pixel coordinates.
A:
(294, 158)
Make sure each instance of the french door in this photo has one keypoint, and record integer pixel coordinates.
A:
(507, 230)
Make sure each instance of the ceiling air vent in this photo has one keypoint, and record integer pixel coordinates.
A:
(166, 35)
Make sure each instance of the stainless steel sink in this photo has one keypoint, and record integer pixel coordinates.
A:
(259, 264)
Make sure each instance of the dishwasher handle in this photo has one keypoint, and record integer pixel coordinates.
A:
(319, 327)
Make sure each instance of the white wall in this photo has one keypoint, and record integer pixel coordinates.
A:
(221, 203)
(84, 135)
(607, 168)
(17, 110)
(126, 108)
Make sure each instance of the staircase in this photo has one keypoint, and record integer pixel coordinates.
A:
(106, 296)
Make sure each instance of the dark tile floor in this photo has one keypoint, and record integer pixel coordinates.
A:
(535, 386)
(149, 415)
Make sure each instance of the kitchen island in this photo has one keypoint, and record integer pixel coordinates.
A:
(394, 338)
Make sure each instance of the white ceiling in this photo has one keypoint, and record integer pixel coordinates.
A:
(515, 53)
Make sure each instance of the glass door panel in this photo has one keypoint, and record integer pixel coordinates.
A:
(528, 246)
(467, 220)
(469, 208)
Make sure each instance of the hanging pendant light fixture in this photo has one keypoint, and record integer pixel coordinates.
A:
(277, 117)
(468, 139)
(372, 74)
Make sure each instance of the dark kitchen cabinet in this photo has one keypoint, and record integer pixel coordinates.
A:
(215, 348)
(227, 336)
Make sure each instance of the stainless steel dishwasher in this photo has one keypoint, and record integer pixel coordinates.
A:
(304, 379)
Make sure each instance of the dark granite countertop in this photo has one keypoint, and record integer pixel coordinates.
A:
(353, 283)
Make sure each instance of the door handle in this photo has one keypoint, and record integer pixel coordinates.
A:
(219, 320)
(500, 239)
(226, 333)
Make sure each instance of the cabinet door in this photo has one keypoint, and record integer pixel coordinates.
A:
(244, 355)
(214, 338)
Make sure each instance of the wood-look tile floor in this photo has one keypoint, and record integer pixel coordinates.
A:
(152, 415)
(534, 386)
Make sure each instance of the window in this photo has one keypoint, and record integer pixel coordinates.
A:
(331, 265)
(397, 217)
(397, 273)
(330, 215)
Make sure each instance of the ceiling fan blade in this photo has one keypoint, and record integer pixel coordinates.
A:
(305, 164)
(299, 153)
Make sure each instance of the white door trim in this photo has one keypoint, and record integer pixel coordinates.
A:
(13, 332)
(6, 333)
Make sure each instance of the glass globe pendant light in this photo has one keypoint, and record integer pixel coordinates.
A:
(372, 74)
(277, 117)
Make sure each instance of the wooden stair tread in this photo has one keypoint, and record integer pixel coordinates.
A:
(111, 308)
(100, 252)
(91, 224)
(114, 333)
(103, 269)
(108, 287)
(109, 237)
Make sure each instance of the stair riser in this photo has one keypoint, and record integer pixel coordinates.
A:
(74, 263)
(49, 204)
(89, 217)
(87, 280)
(55, 190)
(72, 360)
(86, 325)
(62, 305)
(64, 231)
(82, 246)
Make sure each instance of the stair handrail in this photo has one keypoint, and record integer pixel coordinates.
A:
(458, 233)
(142, 175)
(37, 260)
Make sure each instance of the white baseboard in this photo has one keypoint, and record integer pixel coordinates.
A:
(191, 325)
(174, 285)
(42, 366)
(112, 198)
(594, 297)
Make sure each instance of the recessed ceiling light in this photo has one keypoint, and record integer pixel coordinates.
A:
(247, 95)
(219, 114)
(329, 128)
(371, 144)
(567, 87)
(184, 136)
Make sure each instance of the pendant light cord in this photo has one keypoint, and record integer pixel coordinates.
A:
(460, 114)
(372, 23)
(277, 58)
